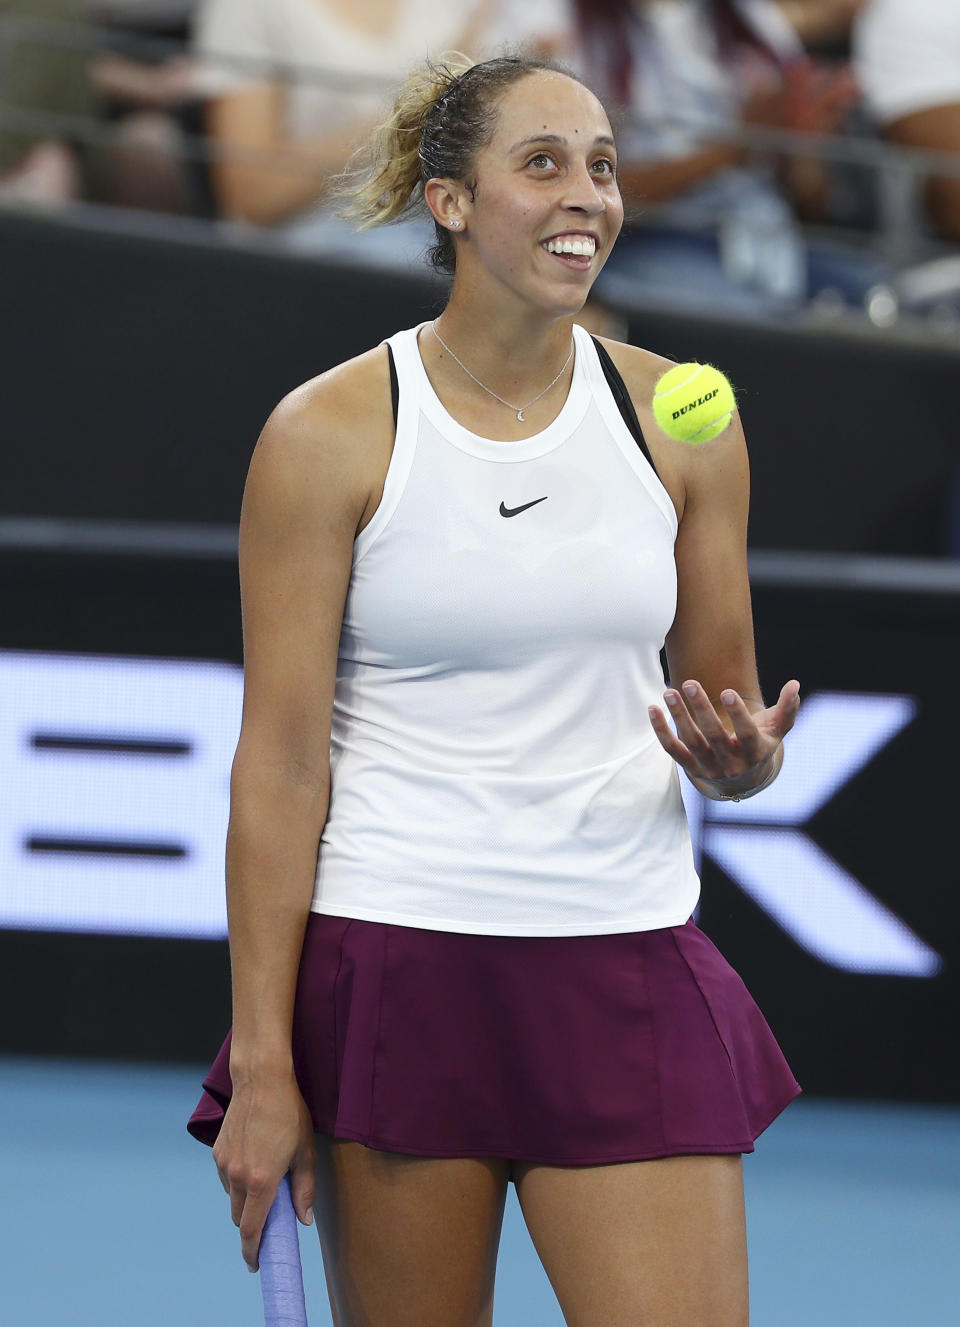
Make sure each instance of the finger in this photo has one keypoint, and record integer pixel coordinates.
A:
(781, 715)
(221, 1168)
(303, 1179)
(690, 736)
(753, 728)
(704, 714)
(787, 706)
(238, 1196)
(749, 737)
(716, 745)
(252, 1221)
(669, 741)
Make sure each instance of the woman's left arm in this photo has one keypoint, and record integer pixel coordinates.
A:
(728, 741)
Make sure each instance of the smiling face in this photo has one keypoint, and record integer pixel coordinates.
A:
(546, 207)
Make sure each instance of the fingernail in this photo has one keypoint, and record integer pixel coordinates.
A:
(727, 697)
(308, 1220)
(690, 688)
(672, 700)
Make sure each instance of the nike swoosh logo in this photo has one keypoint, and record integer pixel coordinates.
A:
(515, 511)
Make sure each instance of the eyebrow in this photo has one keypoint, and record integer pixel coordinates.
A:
(603, 139)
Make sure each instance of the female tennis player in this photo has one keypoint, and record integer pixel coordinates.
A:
(460, 878)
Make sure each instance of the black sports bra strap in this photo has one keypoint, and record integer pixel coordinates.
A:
(620, 394)
(394, 384)
(616, 384)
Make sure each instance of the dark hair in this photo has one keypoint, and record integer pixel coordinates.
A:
(444, 114)
(604, 28)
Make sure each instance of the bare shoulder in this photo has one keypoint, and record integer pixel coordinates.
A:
(335, 415)
(311, 478)
(350, 389)
(639, 368)
(679, 465)
(331, 438)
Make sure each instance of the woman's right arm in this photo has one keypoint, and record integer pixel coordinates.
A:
(308, 486)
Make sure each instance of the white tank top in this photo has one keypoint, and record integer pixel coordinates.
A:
(493, 766)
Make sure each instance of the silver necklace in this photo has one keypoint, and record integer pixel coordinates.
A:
(519, 409)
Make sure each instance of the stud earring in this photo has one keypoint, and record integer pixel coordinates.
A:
(455, 225)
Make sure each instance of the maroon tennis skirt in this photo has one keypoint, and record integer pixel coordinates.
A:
(565, 1050)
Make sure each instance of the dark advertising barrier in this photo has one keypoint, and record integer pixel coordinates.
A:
(120, 685)
(138, 368)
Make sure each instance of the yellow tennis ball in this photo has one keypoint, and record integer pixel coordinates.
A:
(693, 402)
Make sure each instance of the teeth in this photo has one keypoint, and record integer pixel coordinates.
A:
(584, 247)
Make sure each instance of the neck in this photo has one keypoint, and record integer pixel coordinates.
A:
(515, 356)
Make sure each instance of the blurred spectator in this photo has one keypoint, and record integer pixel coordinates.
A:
(40, 74)
(907, 60)
(305, 86)
(820, 23)
(147, 83)
(89, 59)
(824, 27)
(720, 222)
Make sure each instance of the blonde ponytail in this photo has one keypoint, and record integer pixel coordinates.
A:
(384, 180)
(442, 116)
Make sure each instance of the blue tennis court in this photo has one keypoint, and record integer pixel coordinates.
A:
(113, 1216)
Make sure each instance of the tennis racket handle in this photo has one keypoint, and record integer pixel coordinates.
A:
(281, 1275)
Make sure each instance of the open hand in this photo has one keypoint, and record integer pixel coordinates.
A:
(706, 750)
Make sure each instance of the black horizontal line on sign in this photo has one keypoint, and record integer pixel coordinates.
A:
(141, 746)
(104, 847)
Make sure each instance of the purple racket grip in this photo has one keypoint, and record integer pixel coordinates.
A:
(281, 1275)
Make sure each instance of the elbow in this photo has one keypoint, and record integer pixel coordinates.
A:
(283, 773)
(271, 806)
(269, 780)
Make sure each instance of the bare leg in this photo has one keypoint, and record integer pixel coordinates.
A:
(642, 1244)
(408, 1241)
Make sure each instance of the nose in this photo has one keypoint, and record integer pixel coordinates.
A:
(584, 193)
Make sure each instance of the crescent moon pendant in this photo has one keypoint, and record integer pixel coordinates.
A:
(520, 417)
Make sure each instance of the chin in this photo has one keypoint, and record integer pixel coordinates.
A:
(561, 298)
(569, 302)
